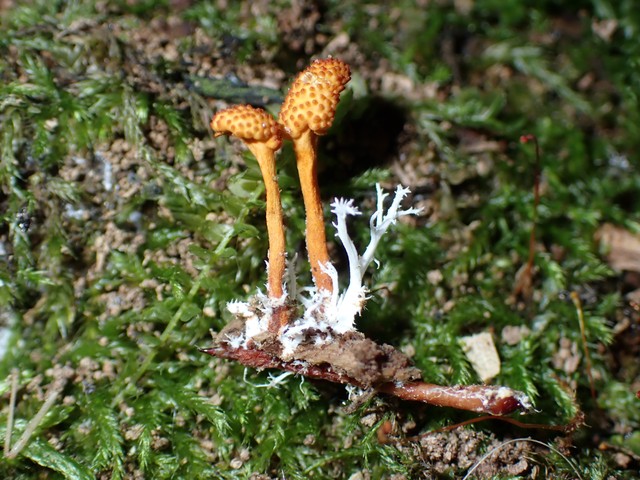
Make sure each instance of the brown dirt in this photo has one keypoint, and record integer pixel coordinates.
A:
(461, 449)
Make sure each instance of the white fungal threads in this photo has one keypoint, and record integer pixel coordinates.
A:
(351, 302)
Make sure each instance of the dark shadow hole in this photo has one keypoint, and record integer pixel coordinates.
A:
(366, 138)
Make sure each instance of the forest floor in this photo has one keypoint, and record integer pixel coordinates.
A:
(126, 228)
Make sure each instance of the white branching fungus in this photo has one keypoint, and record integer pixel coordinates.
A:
(353, 392)
(235, 341)
(253, 323)
(351, 302)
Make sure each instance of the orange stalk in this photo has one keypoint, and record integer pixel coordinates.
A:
(305, 149)
(274, 218)
(262, 135)
(308, 111)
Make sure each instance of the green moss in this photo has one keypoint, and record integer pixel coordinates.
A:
(122, 221)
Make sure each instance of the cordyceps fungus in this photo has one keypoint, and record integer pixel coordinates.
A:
(307, 112)
(262, 135)
(315, 335)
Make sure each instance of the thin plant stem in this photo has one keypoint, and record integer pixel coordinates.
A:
(52, 394)
(523, 286)
(536, 203)
(12, 409)
(570, 427)
(578, 304)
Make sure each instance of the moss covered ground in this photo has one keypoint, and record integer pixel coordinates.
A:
(125, 228)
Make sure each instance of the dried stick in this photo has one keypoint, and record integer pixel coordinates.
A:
(476, 398)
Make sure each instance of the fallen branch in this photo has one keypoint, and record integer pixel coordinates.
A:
(476, 398)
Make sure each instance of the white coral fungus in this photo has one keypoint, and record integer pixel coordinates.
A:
(350, 303)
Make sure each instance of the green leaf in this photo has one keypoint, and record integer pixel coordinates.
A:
(42, 452)
(188, 400)
(244, 230)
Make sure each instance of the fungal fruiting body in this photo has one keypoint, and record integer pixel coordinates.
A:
(307, 112)
(351, 302)
(324, 343)
(324, 317)
(262, 135)
(313, 333)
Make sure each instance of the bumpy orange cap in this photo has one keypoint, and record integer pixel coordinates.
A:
(313, 97)
(249, 124)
